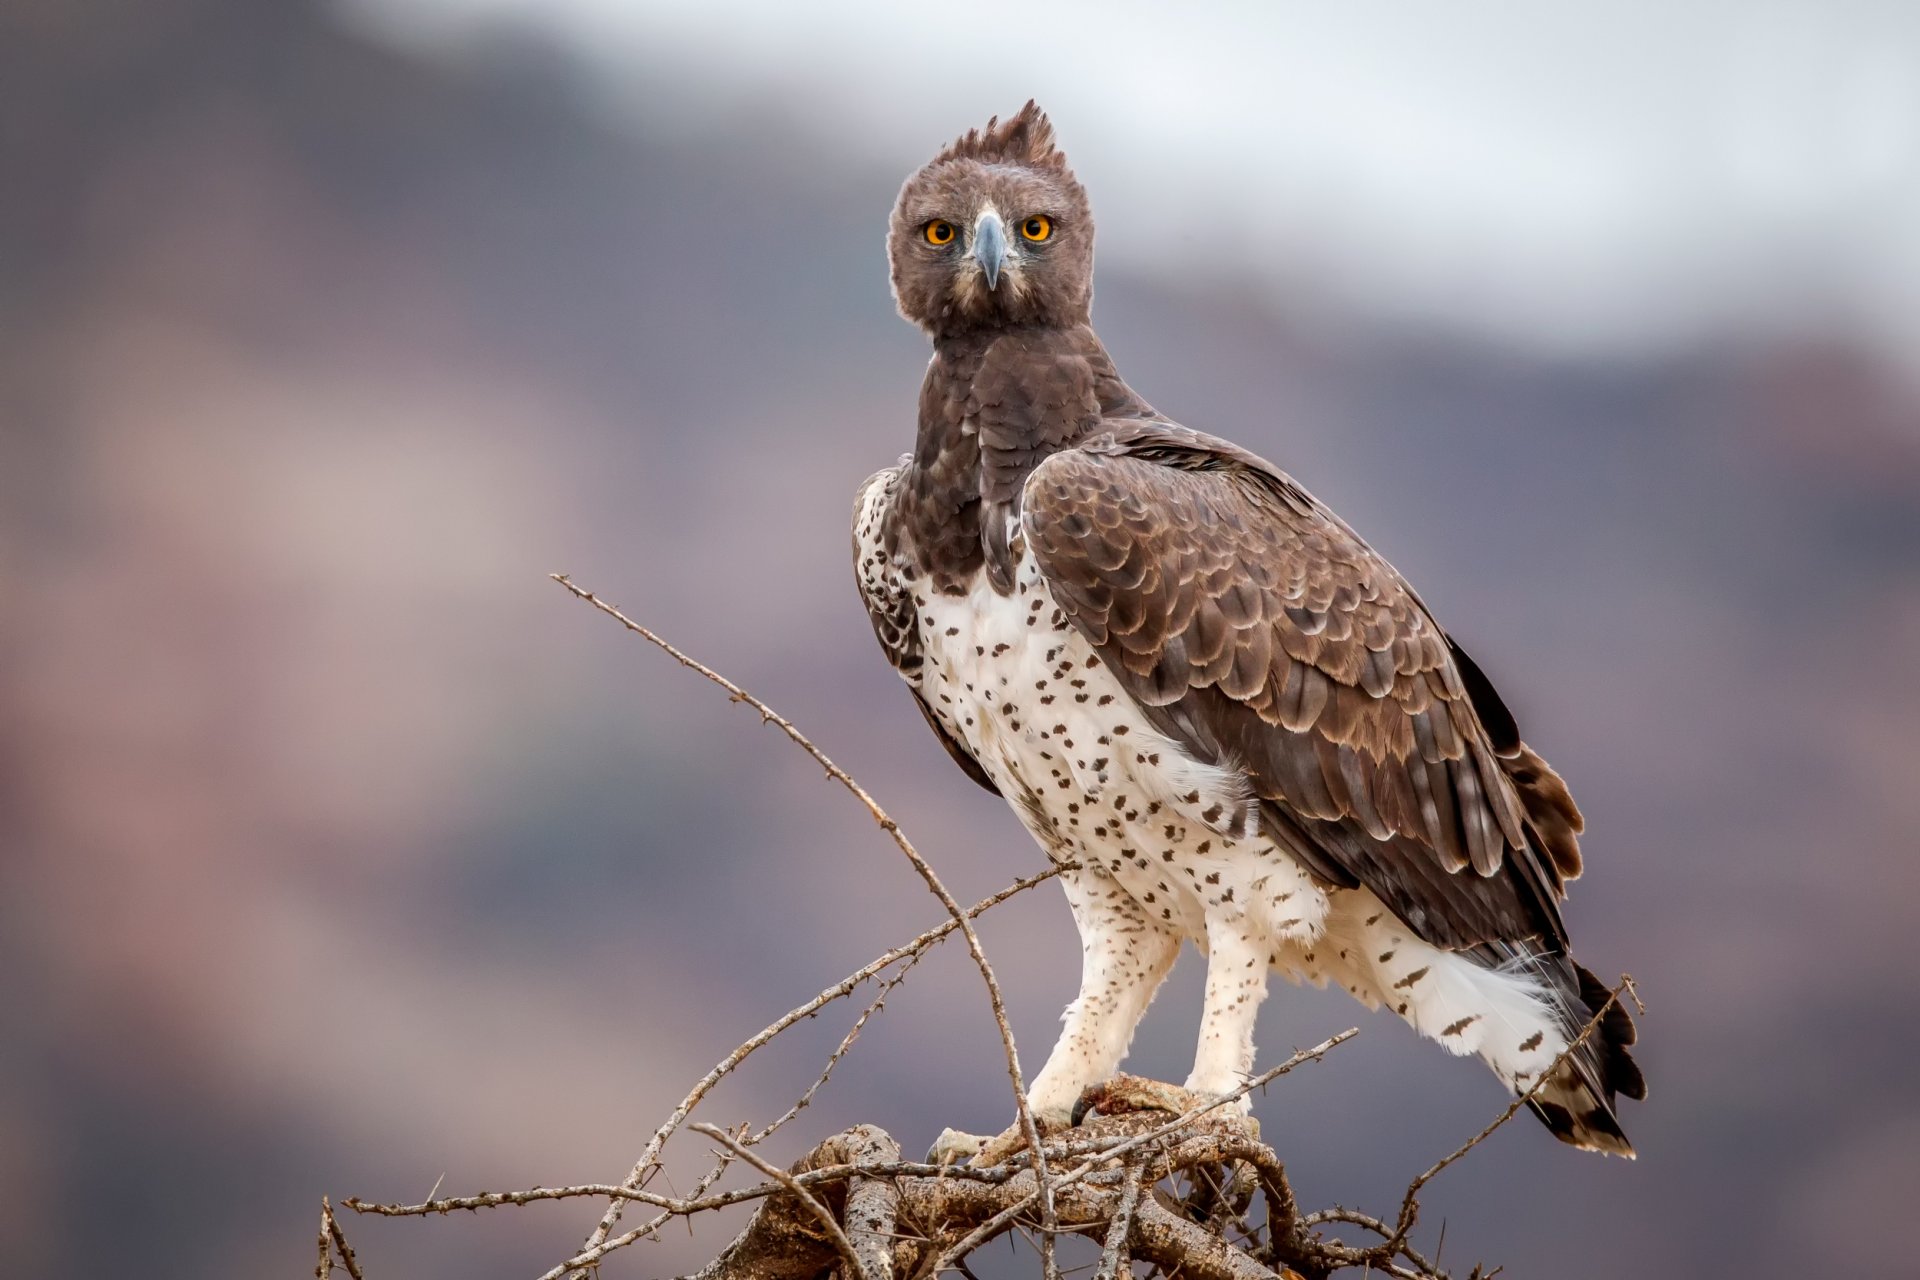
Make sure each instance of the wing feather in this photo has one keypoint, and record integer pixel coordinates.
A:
(891, 609)
(1259, 632)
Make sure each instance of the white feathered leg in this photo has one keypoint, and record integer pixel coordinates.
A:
(1236, 984)
(1124, 958)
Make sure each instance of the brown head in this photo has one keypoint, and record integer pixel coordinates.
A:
(994, 231)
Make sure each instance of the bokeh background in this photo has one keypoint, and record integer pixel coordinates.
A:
(341, 852)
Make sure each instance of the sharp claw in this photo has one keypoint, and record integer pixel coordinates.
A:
(1126, 1094)
(954, 1147)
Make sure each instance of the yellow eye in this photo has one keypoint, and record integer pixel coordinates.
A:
(938, 232)
(1037, 228)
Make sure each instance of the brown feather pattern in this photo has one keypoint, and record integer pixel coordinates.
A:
(1260, 632)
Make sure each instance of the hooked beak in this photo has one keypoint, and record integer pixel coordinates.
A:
(990, 246)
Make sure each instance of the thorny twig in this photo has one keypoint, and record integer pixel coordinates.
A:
(874, 1006)
(333, 1242)
(769, 716)
(593, 1252)
(812, 1203)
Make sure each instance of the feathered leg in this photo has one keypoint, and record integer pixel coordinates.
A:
(1237, 962)
(1124, 957)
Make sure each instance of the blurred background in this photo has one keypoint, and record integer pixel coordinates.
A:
(342, 852)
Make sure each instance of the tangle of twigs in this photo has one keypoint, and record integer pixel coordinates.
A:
(1172, 1192)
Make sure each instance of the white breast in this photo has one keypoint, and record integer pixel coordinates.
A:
(1088, 774)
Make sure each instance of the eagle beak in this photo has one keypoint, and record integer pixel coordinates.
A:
(990, 246)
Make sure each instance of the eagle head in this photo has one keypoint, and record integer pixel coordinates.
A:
(994, 231)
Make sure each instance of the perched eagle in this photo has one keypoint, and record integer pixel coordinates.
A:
(1192, 681)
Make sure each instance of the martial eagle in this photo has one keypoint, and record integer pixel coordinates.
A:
(1191, 679)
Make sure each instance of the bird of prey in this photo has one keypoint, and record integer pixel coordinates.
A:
(1198, 687)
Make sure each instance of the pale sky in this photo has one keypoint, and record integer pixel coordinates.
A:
(1618, 180)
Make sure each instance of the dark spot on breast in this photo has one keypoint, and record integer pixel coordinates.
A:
(1411, 978)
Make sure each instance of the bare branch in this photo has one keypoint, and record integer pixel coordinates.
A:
(598, 1249)
(330, 1233)
(887, 824)
(873, 1203)
(806, 1198)
(1114, 1253)
(874, 1006)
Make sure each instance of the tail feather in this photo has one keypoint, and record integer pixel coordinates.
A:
(1578, 1101)
(1517, 1005)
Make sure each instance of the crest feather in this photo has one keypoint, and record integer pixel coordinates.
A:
(1025, 139)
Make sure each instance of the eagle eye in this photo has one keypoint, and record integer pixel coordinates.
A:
(1037, 228)
(938, 232)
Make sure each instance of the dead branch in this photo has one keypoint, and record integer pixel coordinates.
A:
(925, 869)
(1112, 1198)
(333, 1243)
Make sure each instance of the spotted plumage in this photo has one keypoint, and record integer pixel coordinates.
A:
(1197, 686)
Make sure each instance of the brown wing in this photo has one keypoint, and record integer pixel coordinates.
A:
(891, 609)
(1261, 633)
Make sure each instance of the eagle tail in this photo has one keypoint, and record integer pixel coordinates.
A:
(1577, 1103)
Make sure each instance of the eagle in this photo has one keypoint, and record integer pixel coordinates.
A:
(1224, 715)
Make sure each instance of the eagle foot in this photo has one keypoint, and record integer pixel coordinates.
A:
(955, 1147)
(1213, 1190)
(1125, 1095)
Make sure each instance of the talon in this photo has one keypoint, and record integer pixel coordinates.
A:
(954, 1147)
(1124, 1095)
